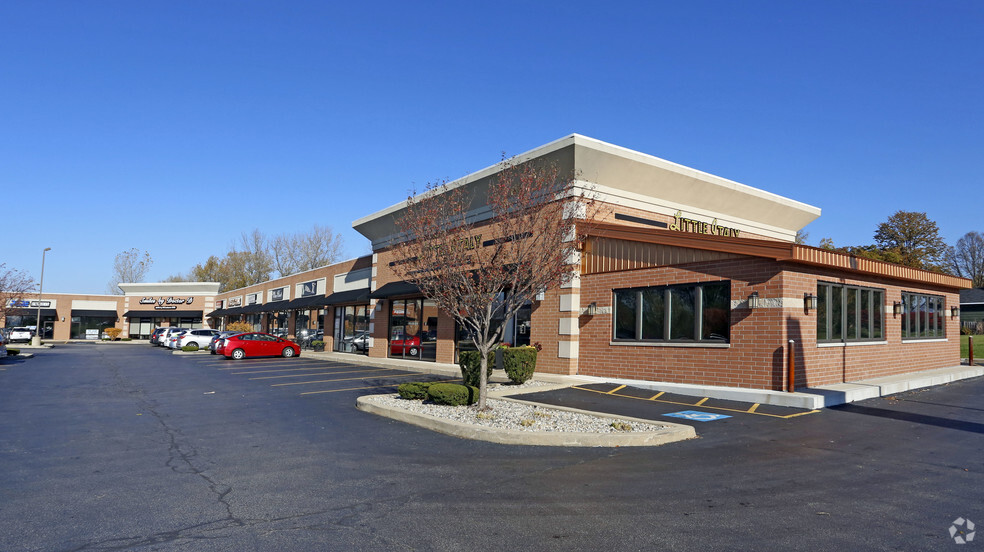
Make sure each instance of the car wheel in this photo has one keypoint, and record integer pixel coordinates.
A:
(287, 352)
(238, 354)
(413, 351)
(195, 345)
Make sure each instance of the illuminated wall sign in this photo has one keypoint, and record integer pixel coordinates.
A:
(25, 303)
(681, 224)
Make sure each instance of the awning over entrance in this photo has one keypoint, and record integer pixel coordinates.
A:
(393, 289)
(32, 312)
(163, 314)
(351, 296)
(102, 313)
(308, 302)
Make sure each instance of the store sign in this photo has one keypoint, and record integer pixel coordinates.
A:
(251, 299)
(309, 289)
(277, 295)
(25, 304)
(166, 303)
(236, 302)
(681, 224)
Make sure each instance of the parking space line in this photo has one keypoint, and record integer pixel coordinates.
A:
(342, 379)
(360, 388)
(323, 374)
(619, 388)
(753, 408)
(657, 395)
(276, 370)
(700, 402)
(653, 399)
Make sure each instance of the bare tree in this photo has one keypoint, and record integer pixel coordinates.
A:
(293, 253)
(14, 284)
(129, 266)
(253, 259)
(480, 279)
(967, 258)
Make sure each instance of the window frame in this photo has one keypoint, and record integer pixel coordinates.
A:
(838, 295)
(928, 306)
(670, 297)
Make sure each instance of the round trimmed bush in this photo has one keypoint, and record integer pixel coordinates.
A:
(414, 391)
(519, 363)
(453, 394)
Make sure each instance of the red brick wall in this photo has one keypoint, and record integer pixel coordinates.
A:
(757, 356)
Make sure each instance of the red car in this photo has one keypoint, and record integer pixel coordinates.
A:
(254, 344)
(409, 346)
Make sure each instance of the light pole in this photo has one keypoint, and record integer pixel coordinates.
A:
(36, 340)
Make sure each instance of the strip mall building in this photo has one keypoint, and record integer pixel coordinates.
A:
(690, 278)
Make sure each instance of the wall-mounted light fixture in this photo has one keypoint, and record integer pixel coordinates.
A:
(811, 301)
(753, 300)
(592, 309)
(896, 308)
(954, 312)
(63, 319)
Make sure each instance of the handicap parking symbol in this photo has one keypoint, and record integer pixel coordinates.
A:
(697, 416)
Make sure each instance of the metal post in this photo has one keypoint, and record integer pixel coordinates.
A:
(791, 386)
(36, 340)
(970, 349)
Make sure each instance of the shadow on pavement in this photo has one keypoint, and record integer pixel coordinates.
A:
(972, 427)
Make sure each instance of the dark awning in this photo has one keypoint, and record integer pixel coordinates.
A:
(32, 312)
(351, 296)
(275, 306)
(217, 313)
(307, 302)
(393, 289)
(163, 314)
(103, 313)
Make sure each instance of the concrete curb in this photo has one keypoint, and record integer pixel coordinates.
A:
(670, 434)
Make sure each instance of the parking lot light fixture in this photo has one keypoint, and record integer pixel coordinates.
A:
(36, 340)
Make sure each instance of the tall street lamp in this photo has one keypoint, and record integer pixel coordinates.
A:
(36, 340)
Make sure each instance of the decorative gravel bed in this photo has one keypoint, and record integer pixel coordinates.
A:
(516, 416)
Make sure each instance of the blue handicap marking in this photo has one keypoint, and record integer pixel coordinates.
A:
(697, 416)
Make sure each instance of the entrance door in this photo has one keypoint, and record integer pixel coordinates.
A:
(413, 329)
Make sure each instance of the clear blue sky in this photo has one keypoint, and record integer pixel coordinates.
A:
(173, 127)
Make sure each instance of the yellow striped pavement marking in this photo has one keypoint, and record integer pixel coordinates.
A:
(787, 416)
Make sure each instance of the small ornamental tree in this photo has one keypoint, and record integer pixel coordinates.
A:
(239, 326)
(14, 285)
(113, 333)
(479, 276)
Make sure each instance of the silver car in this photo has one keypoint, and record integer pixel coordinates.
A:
(169, 336)
(196, 338)
(216, 340)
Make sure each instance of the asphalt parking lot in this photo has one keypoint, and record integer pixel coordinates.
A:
(132, 448)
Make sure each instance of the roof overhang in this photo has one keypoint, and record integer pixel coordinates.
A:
(621, 176)
(777, 251)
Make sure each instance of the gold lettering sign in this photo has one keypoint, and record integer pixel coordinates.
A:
(681, 224)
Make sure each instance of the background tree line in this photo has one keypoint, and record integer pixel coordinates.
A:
(912, 239)
(253, 259)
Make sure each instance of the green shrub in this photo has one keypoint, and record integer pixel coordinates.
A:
(189, 348)
(414, 391)
(470, 363)
(127, 339)
(12, 352)
(452, 394)
(519, 363)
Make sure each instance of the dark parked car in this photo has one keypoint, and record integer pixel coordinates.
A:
(257, 344)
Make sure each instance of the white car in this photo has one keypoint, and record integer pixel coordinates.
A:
(20, 334)
(198, 338)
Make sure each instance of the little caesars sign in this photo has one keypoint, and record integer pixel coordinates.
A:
(166, 303)
(697, 227)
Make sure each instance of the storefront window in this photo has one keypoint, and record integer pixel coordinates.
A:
(922, 316)
(693, 312)
(91, 327)
(352, 329)
(413, 329)
(849, 313)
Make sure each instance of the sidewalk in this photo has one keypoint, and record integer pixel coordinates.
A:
(808, 398)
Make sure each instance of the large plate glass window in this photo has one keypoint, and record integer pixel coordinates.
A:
(922, 316)
(681, 313)
(849, 313)
(413, 329)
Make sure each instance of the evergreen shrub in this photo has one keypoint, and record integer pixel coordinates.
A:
(414, 391)
(470, 363)
(519, 363)
(452, 394)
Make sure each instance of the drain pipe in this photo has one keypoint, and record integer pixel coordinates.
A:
(791, 386)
